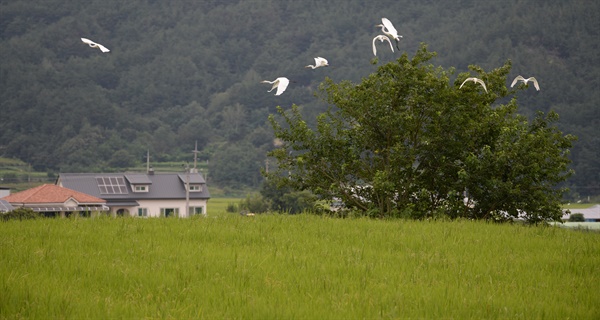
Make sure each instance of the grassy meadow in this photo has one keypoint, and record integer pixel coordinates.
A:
(218, 206)
(579, 205)
(295, 267)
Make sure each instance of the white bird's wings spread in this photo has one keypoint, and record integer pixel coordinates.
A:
(102, 48)
(95, 45)
(390, 27)
(480, 82)
(532, 79)
(535, 83)
(516, 80)
(474, 80)
(321, 62)
(282, 84)
(381, 38)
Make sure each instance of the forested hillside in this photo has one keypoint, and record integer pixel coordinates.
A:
(186, 71)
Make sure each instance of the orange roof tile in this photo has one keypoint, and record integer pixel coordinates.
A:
(50, 193)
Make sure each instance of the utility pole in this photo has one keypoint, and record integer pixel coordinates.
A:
(147, 160)
(195, 151)
(267, 165)
(187, 190)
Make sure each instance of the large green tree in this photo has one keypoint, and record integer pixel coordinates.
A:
(408, 141)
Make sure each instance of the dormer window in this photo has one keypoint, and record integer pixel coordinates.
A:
(195, 181)
(195, 188)
(141, 188)
(139, 182)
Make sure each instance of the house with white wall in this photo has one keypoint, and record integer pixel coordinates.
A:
(144, 194)
(52, 200)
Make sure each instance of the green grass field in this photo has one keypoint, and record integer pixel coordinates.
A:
(218, 206)
(585, 226)
(578, 205)
(295, 267)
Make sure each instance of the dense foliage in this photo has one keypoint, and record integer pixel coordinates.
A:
(407, 141)
(186, 71)
(19, 214)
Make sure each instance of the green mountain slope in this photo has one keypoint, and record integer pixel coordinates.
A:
(186, 71)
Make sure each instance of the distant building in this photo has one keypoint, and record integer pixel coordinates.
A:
(591, 214)
(5, 206)
(53, 200)
(143, 194)
(4, 191)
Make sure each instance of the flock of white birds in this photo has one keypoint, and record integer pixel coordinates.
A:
(389, 31)
(387, 28)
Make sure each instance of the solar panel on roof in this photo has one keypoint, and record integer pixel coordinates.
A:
(112, 185)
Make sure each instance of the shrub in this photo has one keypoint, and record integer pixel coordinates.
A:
(576, 217)
(20, 214)
(231, 207)
(256, 203)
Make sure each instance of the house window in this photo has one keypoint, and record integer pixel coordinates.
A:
(195, 188)
(140, 188)
(142, 212)
(169, 212)
(197, 210)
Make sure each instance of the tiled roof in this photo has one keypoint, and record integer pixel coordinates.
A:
(50, 193)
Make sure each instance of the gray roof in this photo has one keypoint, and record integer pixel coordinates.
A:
(588, 213)
(5, 206)
(138, 179)
(161, 185)
(195, 178)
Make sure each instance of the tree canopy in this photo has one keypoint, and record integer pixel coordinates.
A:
(409, 141)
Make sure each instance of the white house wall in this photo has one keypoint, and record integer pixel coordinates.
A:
(154, 206)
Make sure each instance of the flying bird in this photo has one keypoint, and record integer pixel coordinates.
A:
(319, 62)
(381, 38)
(280, 83)
(95, 45)
(388, 28)
(532, 79)
(475, 80)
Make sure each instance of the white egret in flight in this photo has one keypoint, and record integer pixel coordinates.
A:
(532, 79)
(95, 45)
(280, 83)
(381, 38)
(475, 80)
(319, 62)
(388, 28)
